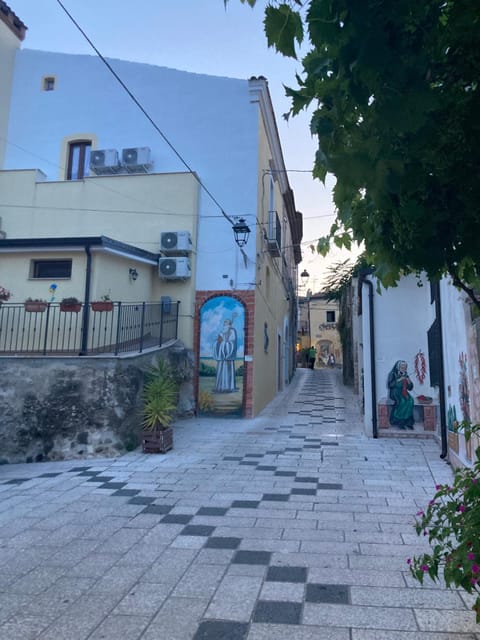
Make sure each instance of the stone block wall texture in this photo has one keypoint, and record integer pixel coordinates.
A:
(77, 408)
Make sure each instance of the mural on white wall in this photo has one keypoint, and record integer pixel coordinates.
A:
(399, 385)
(222, 342)
(463, 390)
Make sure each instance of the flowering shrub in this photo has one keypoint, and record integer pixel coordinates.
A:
(4, 294)
(452, 523)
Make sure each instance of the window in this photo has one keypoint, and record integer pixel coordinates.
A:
(330, 316)
(51, 269)
(48, 83)
(78, 159)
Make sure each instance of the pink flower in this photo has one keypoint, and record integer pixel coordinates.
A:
(473, 581)
(420, 513)
(471, 556)
(409, 561)
(424, 568)
(475, 568)
(461, 508)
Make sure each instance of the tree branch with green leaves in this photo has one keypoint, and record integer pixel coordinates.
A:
(393, 90)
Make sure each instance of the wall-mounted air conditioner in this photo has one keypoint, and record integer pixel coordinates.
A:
(175, 242)
(104, 161)
(136, 159)
(174, 268)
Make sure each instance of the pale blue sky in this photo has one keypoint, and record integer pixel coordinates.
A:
(199, 36)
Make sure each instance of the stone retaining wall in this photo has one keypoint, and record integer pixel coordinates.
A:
(81, 407)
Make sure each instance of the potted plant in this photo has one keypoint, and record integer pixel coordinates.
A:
(35, 305)
(70, 305)
(159, 404)
(5, 295)
(104, 304)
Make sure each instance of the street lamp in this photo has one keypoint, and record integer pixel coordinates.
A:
(305, 276)
(241, 231)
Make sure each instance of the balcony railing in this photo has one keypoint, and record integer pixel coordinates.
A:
(49, 330)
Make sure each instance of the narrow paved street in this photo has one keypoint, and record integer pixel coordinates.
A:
(289, 526)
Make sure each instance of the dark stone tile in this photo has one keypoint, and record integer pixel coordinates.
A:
(237, 458)
(286, 474)
(293, 449)
(332, 593)
(276, 452)
(250, 463)
(263, 467)
(245, 504)
(112, 485)
(297, 437)
(176, 518)
(197, 530)
(254, 455)
(306, 479)
(100, 479)
(78, 469)
(286, 574)
(276, 497)
(319, 440)
(126, 492)
(90, 473)
(252, 557)
(223, 543)
(312, 446)
(329, 485)
(141, 500)
(49, 475)
(157, 509)
(304, 492)
(17, 480)
(330, 444)
(221, 630)
(271, 612)
(211, 511)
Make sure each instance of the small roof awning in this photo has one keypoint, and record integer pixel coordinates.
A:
(95, 243)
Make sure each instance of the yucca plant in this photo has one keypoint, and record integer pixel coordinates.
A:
(160, 398)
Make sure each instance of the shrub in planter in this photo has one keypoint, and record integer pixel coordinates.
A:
(35, 305)
(160, 401)
(104, 304)
(452, 523)
(70, 304)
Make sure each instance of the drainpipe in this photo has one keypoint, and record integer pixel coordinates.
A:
(441, 391)
(86, 305)
(373, 372)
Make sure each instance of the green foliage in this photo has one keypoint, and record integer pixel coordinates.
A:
(452, 523)
(159, 396)
(206, 370)
(395, 97)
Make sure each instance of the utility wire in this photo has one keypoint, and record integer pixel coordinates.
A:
(145, 112)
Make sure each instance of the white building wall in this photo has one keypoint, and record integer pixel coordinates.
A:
(210, 121)
(454, 312)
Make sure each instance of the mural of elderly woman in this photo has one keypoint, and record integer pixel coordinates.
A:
(225, 352)
(399, 384)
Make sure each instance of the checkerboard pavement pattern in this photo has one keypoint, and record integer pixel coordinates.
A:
(292, 525)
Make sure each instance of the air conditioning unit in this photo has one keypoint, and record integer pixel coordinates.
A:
(104, 161)
(175, 242)
(136, 159)
(174, 268)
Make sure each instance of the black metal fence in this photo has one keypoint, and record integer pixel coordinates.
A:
(48, 329)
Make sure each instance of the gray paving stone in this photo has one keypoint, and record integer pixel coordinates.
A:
(234, 599)
(289, 632)
(383, 634)
(338, 615)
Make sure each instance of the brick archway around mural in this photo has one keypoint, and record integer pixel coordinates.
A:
(247, 298)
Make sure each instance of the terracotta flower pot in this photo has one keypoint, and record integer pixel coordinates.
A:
(102, 305)
(72, 308)
(35, 306)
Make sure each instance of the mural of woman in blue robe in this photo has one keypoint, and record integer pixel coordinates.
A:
(399, 384)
